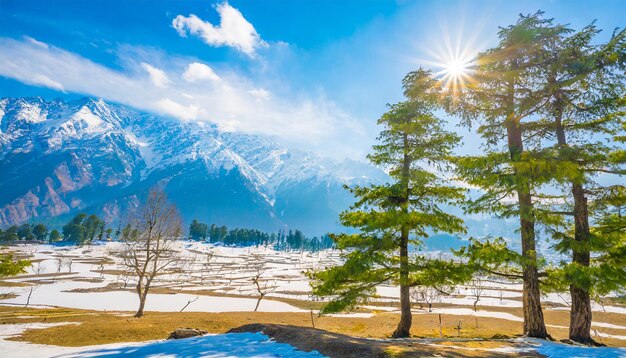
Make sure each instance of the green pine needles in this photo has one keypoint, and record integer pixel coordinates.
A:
(548, 103)
(395, 216)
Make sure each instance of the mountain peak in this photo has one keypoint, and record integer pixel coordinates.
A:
(88, 155)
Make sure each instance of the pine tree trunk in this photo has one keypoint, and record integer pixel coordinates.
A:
(534, 325)
(580, 313)
(406, 319)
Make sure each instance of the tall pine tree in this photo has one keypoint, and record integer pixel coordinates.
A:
(391, 218)
(500, 98)
(584, 105)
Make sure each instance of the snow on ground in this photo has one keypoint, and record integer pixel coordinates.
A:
(470, 312)
(23, 349)
(552, 349)
(93, 277)
(53, 295)
(216, 270)
(60, 270)
(234, 345)
(549, 349)
(221, 345)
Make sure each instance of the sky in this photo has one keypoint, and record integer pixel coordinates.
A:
(315, 75)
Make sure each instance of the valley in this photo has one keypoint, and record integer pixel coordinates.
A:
(212, 288)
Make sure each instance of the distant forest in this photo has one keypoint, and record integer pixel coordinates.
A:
(291, 240)
(83, 229)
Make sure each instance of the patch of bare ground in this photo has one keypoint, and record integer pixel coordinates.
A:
(7, 295)
(44, 275)
(113, 286)
(89, 279)
(13, 284)
(340, 345)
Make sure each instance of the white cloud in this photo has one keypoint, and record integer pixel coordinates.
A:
(36, 42)
(236, 104)
(39, 79)
(234, 30)
(157, 76)
(178, 110)
(260, 93)
(199, 72)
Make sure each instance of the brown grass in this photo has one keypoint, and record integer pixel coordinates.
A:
(108, 327)
(13, 284)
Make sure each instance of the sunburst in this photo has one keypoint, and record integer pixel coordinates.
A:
(455, 74)
(452, 53)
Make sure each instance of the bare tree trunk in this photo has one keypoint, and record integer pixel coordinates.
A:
(143, 294)
(142, 302)
(258, 302)
(30, 293)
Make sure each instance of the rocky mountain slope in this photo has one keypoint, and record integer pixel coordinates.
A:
(61, 157)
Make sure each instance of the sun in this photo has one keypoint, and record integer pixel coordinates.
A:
(455, 73)
(452, 53)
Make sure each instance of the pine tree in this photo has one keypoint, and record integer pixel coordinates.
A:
(392, 217)
(40, 231)
(25, 232)
(501, 97)
(198, 230)
(55, 235)
(74, 231)
(10, 234)
(584, 91)
(91, 227)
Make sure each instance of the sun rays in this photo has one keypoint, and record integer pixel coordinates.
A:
(451, 55)
(456, 74)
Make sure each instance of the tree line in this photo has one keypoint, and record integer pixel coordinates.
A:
(548, 103)
(81, 229)
(292, 240)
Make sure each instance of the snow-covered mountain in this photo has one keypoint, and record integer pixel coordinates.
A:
(62, 157)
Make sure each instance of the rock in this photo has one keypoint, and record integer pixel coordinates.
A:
(181, 333)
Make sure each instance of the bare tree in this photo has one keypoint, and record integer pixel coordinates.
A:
(425, 294)
(206, 267)
(476, 288)
(149, 242)
(189, 302)
(258, 265)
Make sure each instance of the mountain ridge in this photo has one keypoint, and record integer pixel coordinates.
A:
(61, 157)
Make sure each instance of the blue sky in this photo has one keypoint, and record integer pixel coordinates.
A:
(312, 74)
